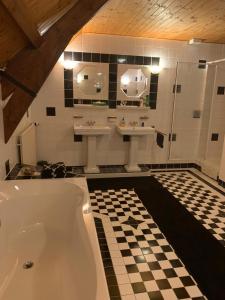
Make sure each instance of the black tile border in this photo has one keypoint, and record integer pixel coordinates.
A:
(208, 183)
(113, 60)
(163, 167)
(198, 177)
(110, 274)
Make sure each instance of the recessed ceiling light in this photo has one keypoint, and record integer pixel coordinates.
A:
(195, 41)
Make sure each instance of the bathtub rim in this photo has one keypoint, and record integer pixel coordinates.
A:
(102, 292)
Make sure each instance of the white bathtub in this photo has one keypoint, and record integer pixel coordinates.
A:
(42, 221)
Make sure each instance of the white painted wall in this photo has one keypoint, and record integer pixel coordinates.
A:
(55, 134)
(9, 150)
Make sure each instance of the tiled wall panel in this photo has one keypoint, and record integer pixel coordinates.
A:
(55, 134)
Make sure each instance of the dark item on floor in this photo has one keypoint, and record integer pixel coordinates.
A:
(160, 139)
(42, 163)
(57, 170)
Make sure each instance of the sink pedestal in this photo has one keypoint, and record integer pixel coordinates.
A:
(91, 166)
(91, 132)
(135, 132)
(132, 165)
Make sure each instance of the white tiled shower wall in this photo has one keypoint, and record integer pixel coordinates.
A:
(9, 151)
(55, 134)
(213, 122)
(217, 119)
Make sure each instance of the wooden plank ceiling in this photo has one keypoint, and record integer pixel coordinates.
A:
(163, 19)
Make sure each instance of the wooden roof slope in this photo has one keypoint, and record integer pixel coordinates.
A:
(28, 57)
(12, 38)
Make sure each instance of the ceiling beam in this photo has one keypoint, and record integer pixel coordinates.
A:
(31, 67)
(20, 14)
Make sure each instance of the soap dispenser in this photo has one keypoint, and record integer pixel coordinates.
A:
(122, 122)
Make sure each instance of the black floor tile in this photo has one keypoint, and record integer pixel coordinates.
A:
(138, 287)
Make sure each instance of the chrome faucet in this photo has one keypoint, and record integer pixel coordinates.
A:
(90, 123)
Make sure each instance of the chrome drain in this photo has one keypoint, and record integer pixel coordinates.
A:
(28, 264)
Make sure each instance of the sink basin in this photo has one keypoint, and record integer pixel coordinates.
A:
(92, 130)
(129, 130)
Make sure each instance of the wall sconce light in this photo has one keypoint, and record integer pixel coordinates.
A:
(79, 78)
(154, 69)
(69, 64)
(125, 80)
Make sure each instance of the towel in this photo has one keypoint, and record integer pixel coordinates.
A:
(160, 139)
(57, 170)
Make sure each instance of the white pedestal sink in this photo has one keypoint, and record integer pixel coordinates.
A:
(91, 132)
(135, 133)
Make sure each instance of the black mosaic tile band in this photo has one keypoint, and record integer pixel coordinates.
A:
(107, 261)
(108, 168)
(89, 101)
(113, 60)
(112, 95)
(154, 79)
(174, 166)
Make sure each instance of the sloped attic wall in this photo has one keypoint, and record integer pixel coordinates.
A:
(9, 151)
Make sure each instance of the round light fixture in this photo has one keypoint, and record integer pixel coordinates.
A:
(69, 64)
(154, 69)
(125, 80)
(79, 78)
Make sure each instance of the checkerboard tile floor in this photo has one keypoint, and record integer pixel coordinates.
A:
(206, 205)
(145, 265)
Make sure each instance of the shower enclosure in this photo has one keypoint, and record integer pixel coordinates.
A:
(198, 115)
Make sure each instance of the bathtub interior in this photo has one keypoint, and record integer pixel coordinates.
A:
(42, 222)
